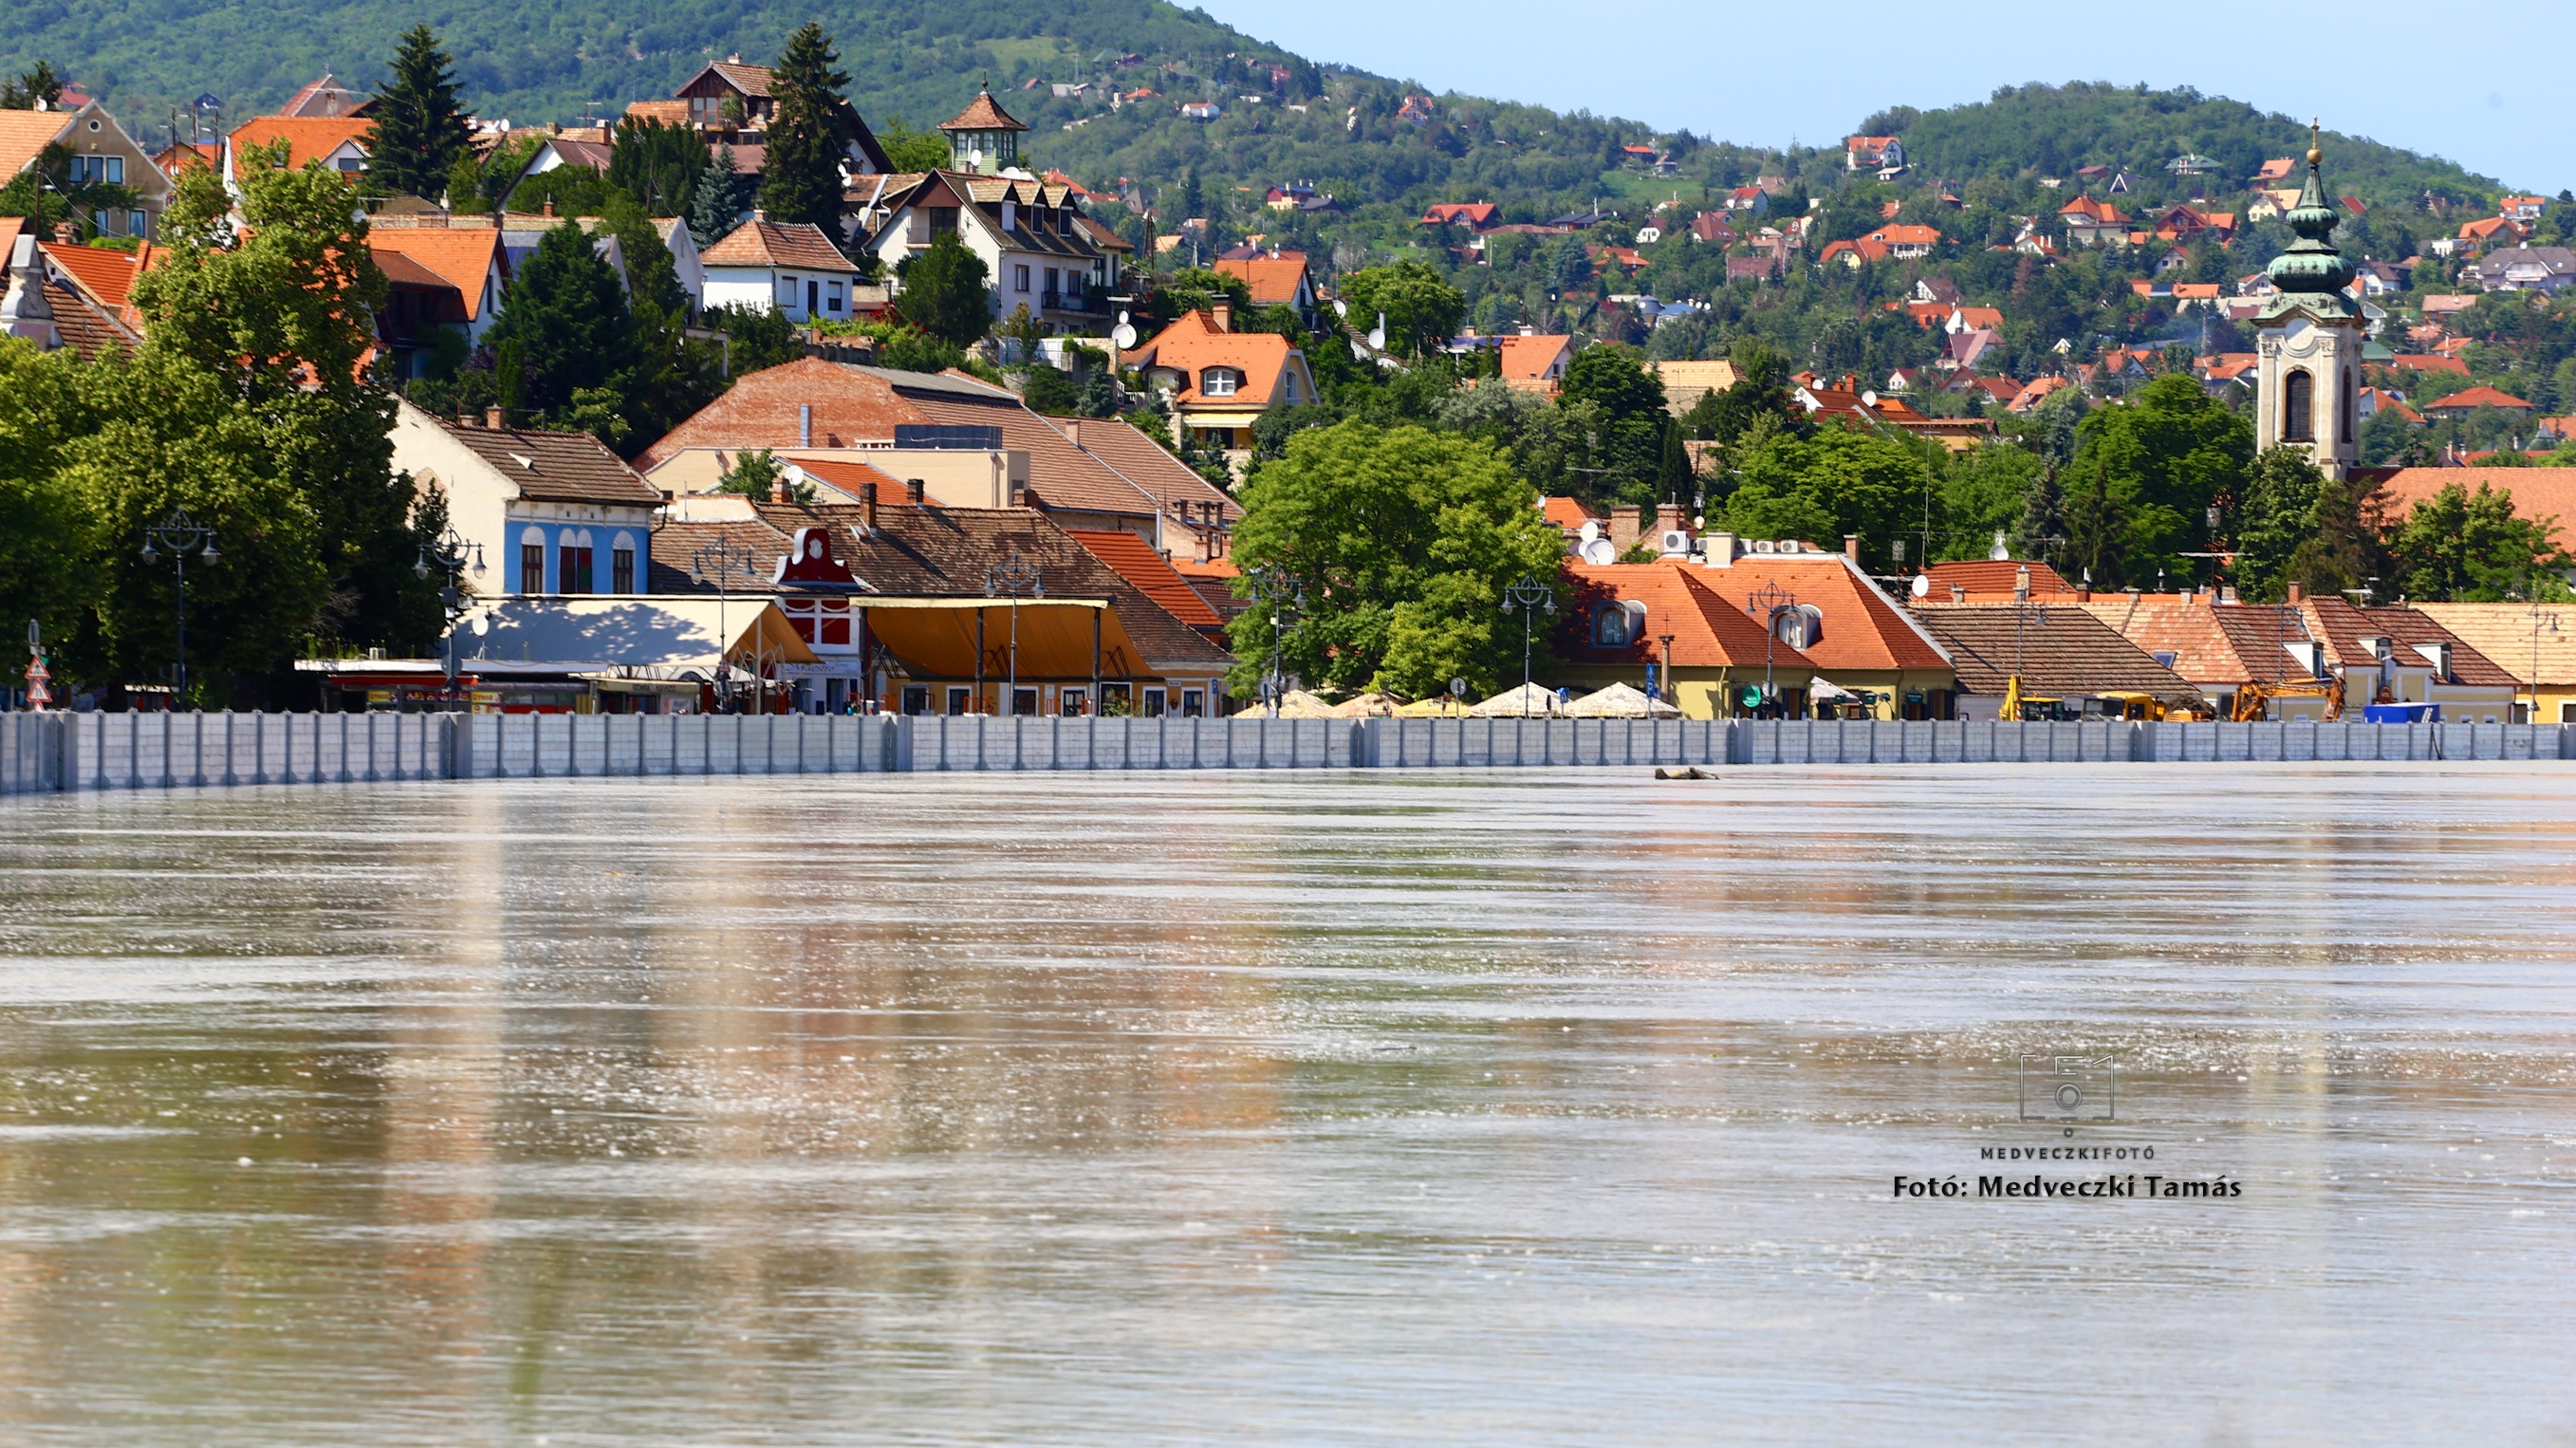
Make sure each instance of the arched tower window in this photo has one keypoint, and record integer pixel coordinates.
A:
(2351, 409)
(2298, 407)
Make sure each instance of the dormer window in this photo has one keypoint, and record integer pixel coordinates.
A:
(1616, 625)
(1219, 382)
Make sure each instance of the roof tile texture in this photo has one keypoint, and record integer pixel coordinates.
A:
(2063, 651)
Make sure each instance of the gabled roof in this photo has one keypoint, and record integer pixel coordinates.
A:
(1126, 450)
(1476, 214)
(1709, 631)
(2097, 213)
(1526, 359)
(1988, 579)
(2343, 626)
(554, 467)
(1864, 629)
(1274, 281)
(2478, 396)
(2537, 493)
(982, 114)
(462, 256)
(1568, 514)
(2060, 651)
(326, 98)
(23, 134)
(2503, 633)
(749, 80)
(103, 272)
(307, 138)
(85, 327)
(1192, 344)
(798, 244)
(1135, 560)
(1908, 235)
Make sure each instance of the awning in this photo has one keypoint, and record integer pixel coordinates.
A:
(648, 638)
(935, 637)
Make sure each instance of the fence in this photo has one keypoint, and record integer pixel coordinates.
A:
(42, 753)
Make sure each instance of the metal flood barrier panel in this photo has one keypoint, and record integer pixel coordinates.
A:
(47, 753)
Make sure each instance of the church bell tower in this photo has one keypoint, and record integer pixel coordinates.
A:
(2308, 340)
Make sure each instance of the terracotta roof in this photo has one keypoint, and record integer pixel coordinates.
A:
(104, 272)
(982, 114)
(25, 133)
(1567, 513)
(2536, 492)
(462, 256)
(1708, 630)
(2185, 626)
(1477, 214)
(307, 138)
(1863, 628)
(554, 467)
(2341, 626)
(1274, 281)
(1987, 578)
(84, 327)
(1526, 359)
(852, 477)
(669, 113)
(10, 226)
(181, 155)
(2478, 396)
(1908, 235)
(2061, 651)
(1136, 457)
(751, 80)
(2503, 633)
(799, 244)
(1136, 561)
(861, 406)
(1192, 345)
(2430, 362)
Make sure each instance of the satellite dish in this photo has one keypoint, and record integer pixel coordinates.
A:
(1600, 551)
(1922, 585)
(1124, 335)
(1589, 531)
(1869, 399)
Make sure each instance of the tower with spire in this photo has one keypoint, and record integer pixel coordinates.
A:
(2308, 339)
(983, 138)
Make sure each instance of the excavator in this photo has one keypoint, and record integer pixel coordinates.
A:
(2253, 700)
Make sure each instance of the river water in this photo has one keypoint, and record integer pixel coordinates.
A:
(1527, 1108)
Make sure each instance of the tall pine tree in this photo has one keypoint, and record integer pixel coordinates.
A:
(419, 132)
(718, 201)
(800, 179)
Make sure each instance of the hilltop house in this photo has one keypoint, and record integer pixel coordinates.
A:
(1218, 381)
(787, 267)
(1882, 154)
(1039, 251)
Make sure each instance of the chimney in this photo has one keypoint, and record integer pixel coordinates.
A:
(1718, 549)
(1019, 494)
(1851, 547)
(1073, 431)
(549, 211)
(2084, 593)
(1958, 593)
(758, 216)
(492, 418)
(778, 490)
(1625, 525)
(2294, 594)
(868, 509)
(1223, 309)
(804, 424)
(66, 233)
(913, 492)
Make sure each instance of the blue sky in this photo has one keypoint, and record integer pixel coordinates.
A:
(2427, 77)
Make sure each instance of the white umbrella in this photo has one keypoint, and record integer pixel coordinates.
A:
(1619, 701)
(1821, 687)
(1528, 699)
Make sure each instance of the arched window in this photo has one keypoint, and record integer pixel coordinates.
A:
(2351, 409)
(1801, 627)
(1218, 382)
(1615, 625)
(572, 562)
(2298, 407)
(621, 564)
(532, 560)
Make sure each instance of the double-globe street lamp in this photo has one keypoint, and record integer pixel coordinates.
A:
(1527, 598)
(180, 535)
(1019, 578)
(1769, 603)
(1281, 592)
(450, 554)
(720, 561)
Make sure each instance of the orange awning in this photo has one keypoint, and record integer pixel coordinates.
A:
(935, 637)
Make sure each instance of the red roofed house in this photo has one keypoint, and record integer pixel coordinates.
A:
(2523, 208)
(1218, 381)
(440, 277)
(1629, 622)
(326, 99)
(1906, 242)
(339, 143)
(2094, 223)
(2032, 395)
(787, 267)
(2468, 400)
(1279, 279)
(1853, 254)
(1136, 560)
(1038, 248)
(728, 95)
(101, 152)
(1883, 154)
(1536, 363)
(1854, 635)
(1474, 215)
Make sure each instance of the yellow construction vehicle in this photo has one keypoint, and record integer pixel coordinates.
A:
(2253, 701)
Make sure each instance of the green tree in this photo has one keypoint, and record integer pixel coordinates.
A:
(912, 150)
(45, 529)
(420, 132)
(657, 165)
(666, 375)
(715, 206)
(943, 292)
(1099, 392)
(40, 84)
(1046, 389)
(567, 315)
(1985, 494)
(759, 474)
(2145, 476)
(800, 176)
(2463, 547)
(1627, 422)
(756, 338)
(1675, 481)
(1404, 539)
(277, 312)
(1819, 489)
(1422, 311)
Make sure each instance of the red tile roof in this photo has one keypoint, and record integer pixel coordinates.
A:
(307, 138)
(2478, 396)
(982, 114)
(104, 272)
(2537, 493)
(462, 256)
(799, 244)
(1863, 628)
(1138, 563)
(1274, 281)
(1567, 513)
(1526, 359)
(1987, 579)
(25, 133)
(1192, 344)
(1708, 631)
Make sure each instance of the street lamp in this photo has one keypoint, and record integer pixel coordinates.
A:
(1015, 576)
(720, 560)
(1278, 590)
(1768, 603)
(180, 535)
(1526, 598)
(450, 554)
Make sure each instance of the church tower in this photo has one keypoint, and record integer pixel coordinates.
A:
(2308, 339)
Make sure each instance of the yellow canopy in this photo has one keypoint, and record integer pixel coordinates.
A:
(935, 637)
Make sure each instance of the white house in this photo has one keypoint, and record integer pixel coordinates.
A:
(544, 512)
(789, 267)
(1038, 249)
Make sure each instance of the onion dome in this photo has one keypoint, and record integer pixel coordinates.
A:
(2311, 264)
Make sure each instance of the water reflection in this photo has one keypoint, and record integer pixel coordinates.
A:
(1126, 1110)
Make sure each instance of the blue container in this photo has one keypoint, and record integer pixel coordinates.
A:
(2401, 714)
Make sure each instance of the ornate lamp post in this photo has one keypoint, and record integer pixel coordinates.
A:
(1527, 598)
(1281, 592)
(1019, 578)
(719, 562)
(180, 535)
(450, 554)
(1768, 603)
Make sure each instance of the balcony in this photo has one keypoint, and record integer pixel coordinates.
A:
(1090, 304)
